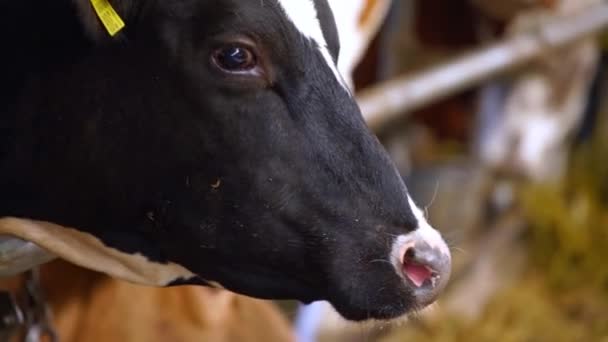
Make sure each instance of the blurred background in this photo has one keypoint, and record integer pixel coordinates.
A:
(497, 116)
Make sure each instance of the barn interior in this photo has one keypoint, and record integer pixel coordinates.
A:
(496, 114)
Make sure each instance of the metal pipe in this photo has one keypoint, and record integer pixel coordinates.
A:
(389, 100)
(17, 256)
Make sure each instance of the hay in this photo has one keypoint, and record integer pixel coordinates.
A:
(563, 295)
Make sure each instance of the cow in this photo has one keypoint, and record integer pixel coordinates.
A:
(89, 306)
(209, 142)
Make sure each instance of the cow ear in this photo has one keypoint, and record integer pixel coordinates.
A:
(114, 13)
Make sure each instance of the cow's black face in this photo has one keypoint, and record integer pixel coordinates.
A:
(219, 136)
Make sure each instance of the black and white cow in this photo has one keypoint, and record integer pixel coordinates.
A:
(210, 142)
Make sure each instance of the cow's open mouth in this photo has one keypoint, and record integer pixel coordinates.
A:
(419, 274)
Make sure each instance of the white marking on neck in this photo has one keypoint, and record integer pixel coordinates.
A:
(303, 14)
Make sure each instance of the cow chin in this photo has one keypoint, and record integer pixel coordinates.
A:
(371, 289)
(375, 297)
(362, 297)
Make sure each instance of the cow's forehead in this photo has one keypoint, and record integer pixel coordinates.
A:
(304, 16)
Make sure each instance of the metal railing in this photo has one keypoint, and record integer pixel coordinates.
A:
(390, 100)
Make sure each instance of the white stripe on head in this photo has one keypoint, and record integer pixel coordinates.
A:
(303, 14)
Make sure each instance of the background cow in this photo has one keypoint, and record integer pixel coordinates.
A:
(88, 306)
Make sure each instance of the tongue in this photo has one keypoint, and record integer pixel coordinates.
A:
(418, 274)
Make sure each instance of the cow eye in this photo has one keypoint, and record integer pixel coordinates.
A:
(234, 59)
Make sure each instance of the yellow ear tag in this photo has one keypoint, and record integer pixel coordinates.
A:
(108, 16)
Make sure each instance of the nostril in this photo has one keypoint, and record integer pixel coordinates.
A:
(410, 253)
(418, 272)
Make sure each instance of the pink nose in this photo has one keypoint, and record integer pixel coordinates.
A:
(425, 268)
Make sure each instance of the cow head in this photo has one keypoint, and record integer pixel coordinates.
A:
(215, 141)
